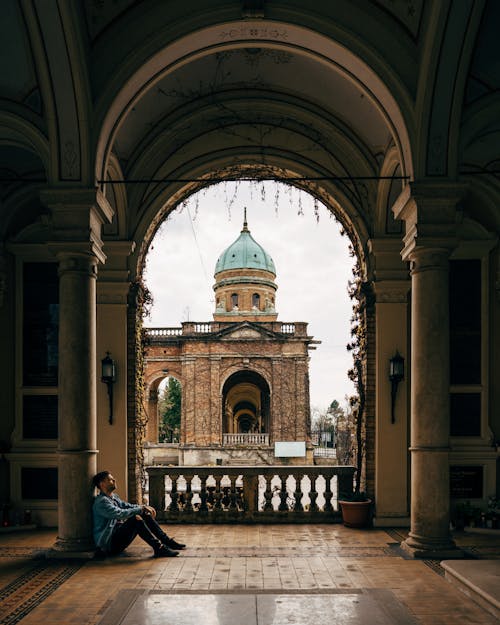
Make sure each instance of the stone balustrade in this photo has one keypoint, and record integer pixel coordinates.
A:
(250, 438)
(195, 328)
(248, 494)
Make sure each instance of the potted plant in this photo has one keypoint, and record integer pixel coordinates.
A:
(356, 506)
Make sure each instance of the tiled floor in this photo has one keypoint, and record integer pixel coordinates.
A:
(277, 560)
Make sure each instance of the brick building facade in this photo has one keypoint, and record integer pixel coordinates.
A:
(244, 376)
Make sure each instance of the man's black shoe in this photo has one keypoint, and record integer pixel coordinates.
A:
(165, 552)
(174, 545)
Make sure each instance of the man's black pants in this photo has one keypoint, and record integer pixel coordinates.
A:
(145, 526)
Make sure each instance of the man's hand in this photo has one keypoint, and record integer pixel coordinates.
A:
(149, 510)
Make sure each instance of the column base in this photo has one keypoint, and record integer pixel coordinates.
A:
(72, 548)
(431, 548)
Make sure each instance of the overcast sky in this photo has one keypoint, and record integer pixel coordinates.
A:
(312, 263)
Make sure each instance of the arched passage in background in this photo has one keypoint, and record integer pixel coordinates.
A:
(246, 404)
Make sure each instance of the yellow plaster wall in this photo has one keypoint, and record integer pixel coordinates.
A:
(392, 461)
(112, 439)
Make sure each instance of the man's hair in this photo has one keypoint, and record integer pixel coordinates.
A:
(99, 477)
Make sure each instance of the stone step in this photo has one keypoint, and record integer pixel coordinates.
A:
(479, 579)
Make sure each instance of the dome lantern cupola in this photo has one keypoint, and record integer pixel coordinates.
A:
(244, 281)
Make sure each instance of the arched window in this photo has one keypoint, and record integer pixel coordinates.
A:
(256, 300)
(234, 300)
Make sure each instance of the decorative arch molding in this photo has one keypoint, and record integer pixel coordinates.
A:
(441, 87)
(479, 137)
(388, 191)
(64, 86)
(396, 111)
(155, 378)
(235, 369)
(326, 191)
(116, 194)
(19, 131)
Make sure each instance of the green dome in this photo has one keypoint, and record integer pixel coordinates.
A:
(245, 253)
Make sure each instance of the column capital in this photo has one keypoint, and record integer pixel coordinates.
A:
(391, 291)
(431, 211)
(77, 215)
(78, 258)
(113, 282)
(387, 264)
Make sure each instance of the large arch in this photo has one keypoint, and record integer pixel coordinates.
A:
(246, 403)
(334, 90)
(265, 35)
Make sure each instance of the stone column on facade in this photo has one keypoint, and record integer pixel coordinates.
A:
(188, 429)
(215, 400)
(430, 216)
(77, 217)
(276, 417)
(152, 429)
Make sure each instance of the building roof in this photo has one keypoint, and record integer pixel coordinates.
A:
(245, 253)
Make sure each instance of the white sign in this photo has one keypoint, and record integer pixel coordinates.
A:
(290, 449)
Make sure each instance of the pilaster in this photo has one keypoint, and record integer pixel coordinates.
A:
(113, 286)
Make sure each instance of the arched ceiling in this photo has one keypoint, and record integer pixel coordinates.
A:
(130, 89)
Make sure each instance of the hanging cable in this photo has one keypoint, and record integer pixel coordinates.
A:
(191, 222)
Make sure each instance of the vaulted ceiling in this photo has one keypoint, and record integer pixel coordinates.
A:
(135, 91)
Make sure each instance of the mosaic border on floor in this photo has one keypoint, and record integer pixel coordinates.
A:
(27, 591)
(33, 553)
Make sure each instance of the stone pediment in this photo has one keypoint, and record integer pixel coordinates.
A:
(244, 333)
(246, 330)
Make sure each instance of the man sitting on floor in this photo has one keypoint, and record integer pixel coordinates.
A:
(117, 522)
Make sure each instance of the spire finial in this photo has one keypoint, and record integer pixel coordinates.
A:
(245, 224)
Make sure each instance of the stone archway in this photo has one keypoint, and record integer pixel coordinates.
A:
(246, 403)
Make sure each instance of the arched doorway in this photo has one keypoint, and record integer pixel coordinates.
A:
(246, 404)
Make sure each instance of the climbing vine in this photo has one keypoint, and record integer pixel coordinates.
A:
(360, 294)
(140, 304)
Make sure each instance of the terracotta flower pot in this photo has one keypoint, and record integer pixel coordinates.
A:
(356, 513)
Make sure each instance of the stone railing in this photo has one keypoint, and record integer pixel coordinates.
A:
(245, 439)
(193, 328)
(159, 333)
(247, 494)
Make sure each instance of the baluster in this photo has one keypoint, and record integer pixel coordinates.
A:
(233, 494)
(218, 493)
(268, 493)
(328, 493)
(203, 493)
(188, 506)
(298, 507)
(174, 495)
(313, 495)
(283, 494)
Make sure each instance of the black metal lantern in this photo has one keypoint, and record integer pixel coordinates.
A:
(108, 376)
(396, 374)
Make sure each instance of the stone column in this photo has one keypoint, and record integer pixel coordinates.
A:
(152, 429)
(430, 214)
(76, 220)
(276, 408)
(77, 399)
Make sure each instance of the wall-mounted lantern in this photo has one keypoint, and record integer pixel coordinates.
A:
(108, 376)
(396, 374)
